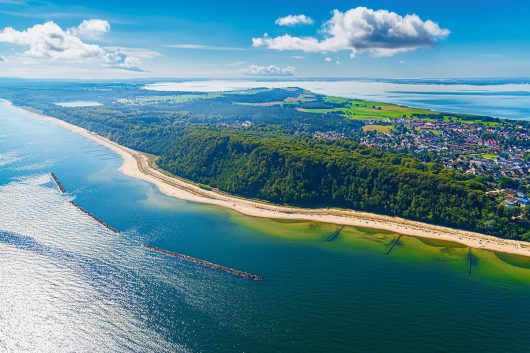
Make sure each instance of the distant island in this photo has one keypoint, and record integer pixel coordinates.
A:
(293, 147)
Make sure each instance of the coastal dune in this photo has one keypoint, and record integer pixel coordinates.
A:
(139, 165)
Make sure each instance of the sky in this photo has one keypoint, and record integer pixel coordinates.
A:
(236, 39)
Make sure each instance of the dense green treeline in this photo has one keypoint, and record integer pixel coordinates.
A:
(340, 174)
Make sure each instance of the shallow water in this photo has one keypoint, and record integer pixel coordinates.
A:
(68, 284)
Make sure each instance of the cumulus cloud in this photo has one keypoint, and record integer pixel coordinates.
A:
(91, 28)
(119, 60)
(271, 70)
(139, 53)
(379, 32)
(294, 20)
(328, 59)
(49, 40)
(3, 59)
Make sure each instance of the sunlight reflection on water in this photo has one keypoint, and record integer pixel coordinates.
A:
(67, 283)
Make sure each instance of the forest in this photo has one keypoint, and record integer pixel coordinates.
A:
(262, 144)
(338, 174)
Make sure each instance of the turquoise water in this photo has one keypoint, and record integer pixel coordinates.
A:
(68, 284)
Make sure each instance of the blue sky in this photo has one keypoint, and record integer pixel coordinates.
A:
(200, 38)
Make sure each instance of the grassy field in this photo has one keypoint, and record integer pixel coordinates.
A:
(489, 156)
(449, 118)
(178, 98)
(368, 110)
(379, 128)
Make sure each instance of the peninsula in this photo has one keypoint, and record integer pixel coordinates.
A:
(140, 165)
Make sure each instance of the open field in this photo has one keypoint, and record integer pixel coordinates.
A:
(368, 110)
(379, 128)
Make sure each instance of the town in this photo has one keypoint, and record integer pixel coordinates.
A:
(498, 151)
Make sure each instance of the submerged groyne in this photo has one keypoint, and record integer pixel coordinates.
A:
(335, 234)
(230, 270)
(103, 223)
(393, 244)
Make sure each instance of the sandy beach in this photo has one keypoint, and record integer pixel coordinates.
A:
(138, 165)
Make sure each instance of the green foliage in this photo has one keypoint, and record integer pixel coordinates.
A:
(273, 155)
(339, 174)
(505, 182)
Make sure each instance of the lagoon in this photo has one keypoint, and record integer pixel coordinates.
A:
(508, 99)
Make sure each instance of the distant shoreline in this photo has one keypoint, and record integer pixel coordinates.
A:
(137, 164)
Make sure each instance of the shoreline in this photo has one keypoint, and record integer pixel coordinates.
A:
(137, 164)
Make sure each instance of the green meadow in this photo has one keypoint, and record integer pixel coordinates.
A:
(368, 110)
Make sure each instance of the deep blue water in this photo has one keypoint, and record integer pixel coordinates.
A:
(70, 285)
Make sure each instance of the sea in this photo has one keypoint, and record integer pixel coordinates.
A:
(499, 98)
(69, 284)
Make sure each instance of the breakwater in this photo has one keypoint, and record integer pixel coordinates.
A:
(58, 183)
(103, 223)
(230, 270)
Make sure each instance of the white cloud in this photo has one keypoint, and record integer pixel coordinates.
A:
(3, 59)
(49, 40)
(328, 59)
(202, 47)
(381, 33)
(119, 60)
(271, 70)
(140, 53)
(91, 28)
(294, 20)
(298, 57)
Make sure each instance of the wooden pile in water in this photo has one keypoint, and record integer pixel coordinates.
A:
(230, 270)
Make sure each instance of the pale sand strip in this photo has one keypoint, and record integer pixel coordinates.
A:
(136, 164)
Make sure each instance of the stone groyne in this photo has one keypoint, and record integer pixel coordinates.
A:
(58, 183)
(230, 270)
(103, 223)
